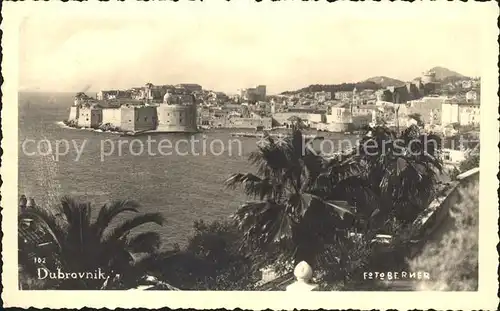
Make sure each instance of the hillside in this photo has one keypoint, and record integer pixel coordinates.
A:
(444, 73)
(384, 81)
(377, 82)
(365, 85)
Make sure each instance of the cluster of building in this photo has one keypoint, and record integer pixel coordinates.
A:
(176, 112)
(343, 111)
(187, 107)
(254, 94)
(148, 92)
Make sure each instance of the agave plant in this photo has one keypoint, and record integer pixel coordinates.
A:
(82, 245)
(289, 207)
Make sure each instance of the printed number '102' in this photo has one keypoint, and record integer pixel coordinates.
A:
(39, 260)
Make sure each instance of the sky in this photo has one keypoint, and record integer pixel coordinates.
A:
(233, 51)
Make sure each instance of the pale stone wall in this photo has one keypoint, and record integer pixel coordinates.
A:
(315, 117)
(84, 117)
(127, 118)
(89, 117)
(439, 209)
(168, 118)
(338, 115)
(138, 118)
(73, 113)
(145, 118)
(250, 123)
(449, 113)
(112, 116)
(338, 127)
(177, 118)
(427, 107)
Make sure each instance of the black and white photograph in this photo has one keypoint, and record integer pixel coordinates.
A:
(250, 151)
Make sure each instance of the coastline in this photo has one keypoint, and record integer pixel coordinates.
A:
(238, 132)
(62, 124)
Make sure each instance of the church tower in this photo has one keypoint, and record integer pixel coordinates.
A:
(355, 96)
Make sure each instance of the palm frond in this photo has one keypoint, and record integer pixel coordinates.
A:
(68, 206)
(109, 211)
(341, 207)
(146, 242)
(271, 158)
(47, 221)
(264, 222)
(253, 185)
(128, 225)
(79, 236)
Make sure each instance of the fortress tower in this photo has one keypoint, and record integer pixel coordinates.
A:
(177, 113)
(428, 77)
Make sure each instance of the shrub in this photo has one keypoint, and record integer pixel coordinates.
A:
(452, 262)
(70, 123)
(342, 265)
(471, 162)
(212, 260)
(218, 245)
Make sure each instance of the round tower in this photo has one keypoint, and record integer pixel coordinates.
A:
(429, 77)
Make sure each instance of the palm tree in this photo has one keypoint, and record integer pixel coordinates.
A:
(296, 123)
(401, 169)
(82, 245)
(289, 211)
(343, 178)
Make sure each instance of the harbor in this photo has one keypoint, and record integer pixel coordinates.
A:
(277, 135)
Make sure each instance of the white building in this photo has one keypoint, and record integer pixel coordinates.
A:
(451, 156)
(343, 95)
(461, 113)
(449, 113)
(472, 96)
(322, 96)
(469, 114)
(339, 114)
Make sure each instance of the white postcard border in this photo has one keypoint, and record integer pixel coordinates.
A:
(483, 13)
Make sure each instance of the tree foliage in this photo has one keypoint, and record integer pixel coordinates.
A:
(288, 208)
(452, 261)
(307, 206)
(344, 87)
(82, 245)
(401, 169)
(211, 260)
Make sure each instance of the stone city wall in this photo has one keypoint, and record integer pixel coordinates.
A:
(177, 118)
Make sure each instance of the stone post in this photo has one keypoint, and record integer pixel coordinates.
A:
(303, 274)
(23, 201)
(30, 203)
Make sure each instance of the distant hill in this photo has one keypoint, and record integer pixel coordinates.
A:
(365, 85)
(445, 73)
(377, 82)
(384, 81)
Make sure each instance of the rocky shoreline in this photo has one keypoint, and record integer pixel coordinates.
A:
(103, 128)
(109, 128)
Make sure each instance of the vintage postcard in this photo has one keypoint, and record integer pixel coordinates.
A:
(250, 155)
